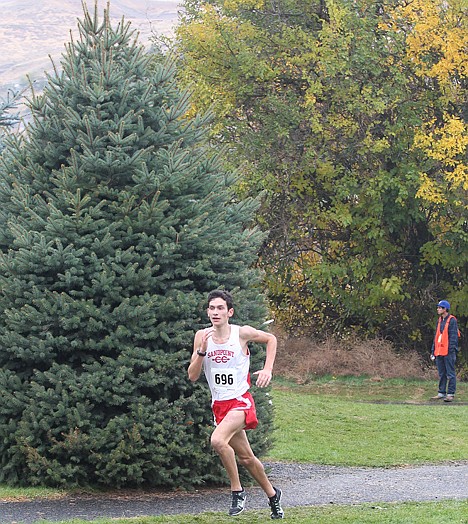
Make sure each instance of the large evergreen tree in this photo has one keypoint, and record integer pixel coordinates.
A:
(9, 114)
(115, 221)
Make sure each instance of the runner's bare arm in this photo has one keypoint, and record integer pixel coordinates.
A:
(200, 343)
(250, 334)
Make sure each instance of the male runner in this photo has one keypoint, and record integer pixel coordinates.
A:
(222, 352)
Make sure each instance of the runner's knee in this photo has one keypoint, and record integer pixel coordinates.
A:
(248, 461)
(218, 444)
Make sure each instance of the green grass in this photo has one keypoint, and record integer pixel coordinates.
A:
(446, 512)
(352, 421)
(338, 423)
(368, 389)
(9, 493)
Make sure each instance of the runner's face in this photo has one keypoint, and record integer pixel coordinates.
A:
(218, 311)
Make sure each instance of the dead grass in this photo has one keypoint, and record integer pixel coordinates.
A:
(301, 358)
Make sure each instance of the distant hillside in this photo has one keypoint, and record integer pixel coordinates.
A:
(31, 30)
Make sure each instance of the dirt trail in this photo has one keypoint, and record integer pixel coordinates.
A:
(302, 485)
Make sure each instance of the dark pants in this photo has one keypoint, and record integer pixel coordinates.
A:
(446, 370)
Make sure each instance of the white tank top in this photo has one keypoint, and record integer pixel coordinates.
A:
(226, 367)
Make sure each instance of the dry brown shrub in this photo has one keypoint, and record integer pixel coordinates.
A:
(300, 358)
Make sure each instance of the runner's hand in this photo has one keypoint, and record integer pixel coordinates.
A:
(207, 333)
(263, 378)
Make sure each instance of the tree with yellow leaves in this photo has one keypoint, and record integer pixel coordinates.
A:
(437, 47)
(351, 118)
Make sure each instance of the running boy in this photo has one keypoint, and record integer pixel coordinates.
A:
(223, 354)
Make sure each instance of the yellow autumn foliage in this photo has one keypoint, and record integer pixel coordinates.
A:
(448, 145)
(243, 4)
(437, 49)
(437, 40)
(209, 37)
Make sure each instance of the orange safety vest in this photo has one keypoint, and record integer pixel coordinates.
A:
(441, 341)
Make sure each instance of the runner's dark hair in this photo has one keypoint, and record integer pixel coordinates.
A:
(225, 295)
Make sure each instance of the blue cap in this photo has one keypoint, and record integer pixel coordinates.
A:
(445, 304)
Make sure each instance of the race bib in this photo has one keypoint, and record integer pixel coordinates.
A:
(224, 378)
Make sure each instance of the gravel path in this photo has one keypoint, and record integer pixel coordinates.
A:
(302, 485)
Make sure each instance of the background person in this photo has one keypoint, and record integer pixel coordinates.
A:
(222, 352)
(444, 352)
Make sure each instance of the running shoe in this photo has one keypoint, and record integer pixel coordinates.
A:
(275, 505)
(238, 503)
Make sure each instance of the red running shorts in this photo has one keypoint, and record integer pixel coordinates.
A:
(243, 403)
